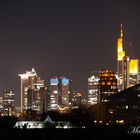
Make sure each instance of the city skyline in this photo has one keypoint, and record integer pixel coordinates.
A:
(63, 39)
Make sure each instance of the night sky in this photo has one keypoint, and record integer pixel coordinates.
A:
(64, 38)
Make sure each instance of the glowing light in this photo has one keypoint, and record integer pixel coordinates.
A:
(120, 51)
(100, 121)
(95, 121)
(120, 121)
(28, 74)
(133, 66)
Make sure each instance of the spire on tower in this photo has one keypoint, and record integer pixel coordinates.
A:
(121, 31)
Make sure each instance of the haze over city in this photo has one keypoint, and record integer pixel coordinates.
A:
(60, 38)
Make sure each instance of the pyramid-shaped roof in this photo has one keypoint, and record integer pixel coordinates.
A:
(48, 120)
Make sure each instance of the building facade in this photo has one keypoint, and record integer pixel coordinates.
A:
(53, 94)
(58, 93)
(8, 103)
(64, 90)
(30, 85)
(107, 85)
(93, 88)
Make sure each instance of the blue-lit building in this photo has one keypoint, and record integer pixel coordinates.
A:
(64, 91)
(53, 94)
(58, 93)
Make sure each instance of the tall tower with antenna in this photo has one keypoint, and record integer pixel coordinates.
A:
(127, 69)
(120, 52)
(120, 60)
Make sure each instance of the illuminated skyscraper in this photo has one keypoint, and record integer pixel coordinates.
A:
(93, 87)
(125, 73)
(64, 91)
(29, 80)
(36, 95)
(120, 57)
(53, 103)
(8, 101)
(107, 85)
(127, 68)
(133, 72)
(76, 99)
(58, 93)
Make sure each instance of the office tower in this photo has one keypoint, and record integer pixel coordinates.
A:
(40, 91)
(36, 95)
(125, 73)
(77, 99)
(8, 100)
(107, 85)
(29, 80)
(120, 57)
(71, 94)
(133, 72)
(58, 93)
(93, 87)
(127, 68)
(64, 91)
(53, 94)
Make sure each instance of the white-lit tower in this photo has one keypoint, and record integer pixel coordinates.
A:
(93, 88)
(25, 84)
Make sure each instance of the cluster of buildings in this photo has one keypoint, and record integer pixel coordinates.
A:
(56, 95)
(106, 86)
(111, 95)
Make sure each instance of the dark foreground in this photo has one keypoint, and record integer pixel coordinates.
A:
(95, 133)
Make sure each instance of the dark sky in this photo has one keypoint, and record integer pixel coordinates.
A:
(63, 38)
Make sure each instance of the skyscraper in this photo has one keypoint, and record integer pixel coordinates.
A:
(125, 72)
(127, 68)
(133, 72)
(107, 85)
(93, 87)
(36, 95)
(120, 57)
(58, 93)
(8, 101)
(53, 103)
(29, 80)
(64, 91)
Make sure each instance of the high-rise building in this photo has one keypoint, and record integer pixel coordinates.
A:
(133, 72)
(31, 81)
(36, 95)
(77, 99)
(53, 103)
(58, 93)
(127, 68)
(107, 85)
(93, 88)
(8, 101)
(120, 57)
(64, 90)
(125, 73)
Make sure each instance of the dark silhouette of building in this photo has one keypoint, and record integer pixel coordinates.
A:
(121, 108)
